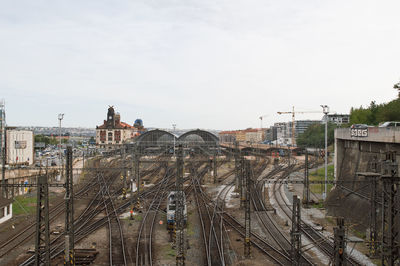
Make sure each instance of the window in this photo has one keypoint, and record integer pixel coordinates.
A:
(110, 136)
(1, 212)
(8, 209)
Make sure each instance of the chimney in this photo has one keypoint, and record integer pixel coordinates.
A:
(117, 118)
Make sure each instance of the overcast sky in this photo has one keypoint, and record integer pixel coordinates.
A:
(198, 64)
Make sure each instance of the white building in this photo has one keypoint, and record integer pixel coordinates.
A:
(5, 209)
(339, 119)
(19, 146)
(254, 135)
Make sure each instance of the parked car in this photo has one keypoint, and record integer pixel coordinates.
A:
(390, 124)
(359, 126)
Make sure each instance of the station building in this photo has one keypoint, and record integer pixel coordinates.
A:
(113, 132)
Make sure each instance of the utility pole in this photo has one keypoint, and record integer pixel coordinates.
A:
(3, 168)
(242, 182)
(3, 145)
(325, 110)
(295, 233)
(237, 174)
(306, 189)
(339, 243)
(215, 167)
(390, 212)
(124, 174)
(60, 117)
(373, 217)
(137, 175)
(42, 240)
(180, 234)
(247, 224)
(69, 255)
(174, 126)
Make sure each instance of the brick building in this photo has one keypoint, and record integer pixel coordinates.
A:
(113, 132)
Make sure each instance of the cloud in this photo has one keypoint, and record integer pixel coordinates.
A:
(209, 64)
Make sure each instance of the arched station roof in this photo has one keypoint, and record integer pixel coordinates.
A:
(155, 137)
(199, 136)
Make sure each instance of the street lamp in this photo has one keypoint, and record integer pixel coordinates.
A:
(325, 110)
(174, 126)
(60, 117)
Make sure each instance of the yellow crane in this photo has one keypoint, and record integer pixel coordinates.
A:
(293, 121)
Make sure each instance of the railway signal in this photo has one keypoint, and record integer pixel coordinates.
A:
(339, 244)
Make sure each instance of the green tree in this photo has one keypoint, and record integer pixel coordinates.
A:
(314, 136)
(376, 113)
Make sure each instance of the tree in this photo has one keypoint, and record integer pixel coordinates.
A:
(376, 113)
(314, 136)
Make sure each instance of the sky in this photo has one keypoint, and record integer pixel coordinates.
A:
(211, 64)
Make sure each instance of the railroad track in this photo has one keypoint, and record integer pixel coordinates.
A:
(144, 245)
(117, 254)
(323, 243)
(27, 233)
(219, 214)
(212, 245)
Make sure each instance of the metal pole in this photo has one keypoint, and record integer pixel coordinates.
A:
(306, 189)
(247, 243)
(42, 241)
(215, 168)
(296, 231)
(124, 176)
(60, 117)
(180, 234)
(373, 233)
(174, 126)
(326, 156)
(3, 147)
(326, 112)
(3, 169)
(339, 245)
(390, 214)
(69, 255)
(137, 177)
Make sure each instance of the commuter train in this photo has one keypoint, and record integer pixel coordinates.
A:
(171, 207)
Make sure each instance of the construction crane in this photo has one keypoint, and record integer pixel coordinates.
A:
(293, 121)
(261, 119)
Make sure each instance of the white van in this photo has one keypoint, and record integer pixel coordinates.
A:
(390, 124)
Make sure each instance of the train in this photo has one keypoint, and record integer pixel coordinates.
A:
(171, 207)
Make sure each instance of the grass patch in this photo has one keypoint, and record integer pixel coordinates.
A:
(24, 204)
(359, 234)
(319, 175)
(318, 205)
(169, 251)
(189, 229)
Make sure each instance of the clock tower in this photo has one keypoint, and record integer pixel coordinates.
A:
(111, 117)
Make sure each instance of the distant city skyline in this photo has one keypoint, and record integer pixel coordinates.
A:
(197, 64)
